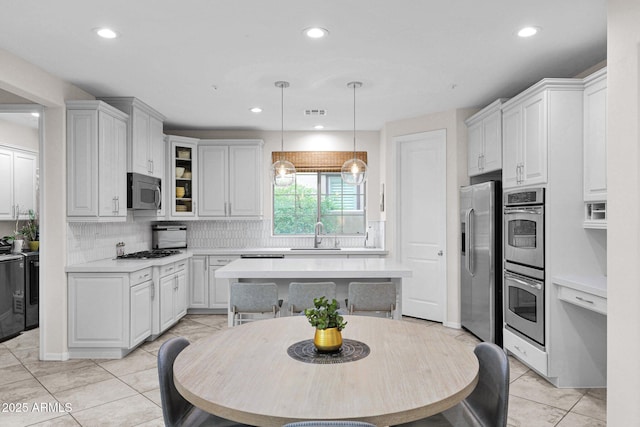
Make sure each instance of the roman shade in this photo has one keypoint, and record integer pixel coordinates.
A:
(317, 161)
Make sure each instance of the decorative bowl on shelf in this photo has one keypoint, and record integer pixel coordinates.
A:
(184, 154)
(186, 175)
(179, 192)
(179, 172)
(181, 208)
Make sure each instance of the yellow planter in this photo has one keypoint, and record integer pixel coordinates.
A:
(34, 245)
(327, 340)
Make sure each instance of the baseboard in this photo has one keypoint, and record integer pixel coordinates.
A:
(61, 357)
(454, 325)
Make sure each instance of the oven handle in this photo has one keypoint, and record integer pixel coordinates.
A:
(468, 231)
(537, 286)
(534, 211)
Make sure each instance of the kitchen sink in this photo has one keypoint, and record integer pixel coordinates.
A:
(315, 249)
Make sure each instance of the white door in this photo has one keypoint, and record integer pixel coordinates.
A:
(422, 222)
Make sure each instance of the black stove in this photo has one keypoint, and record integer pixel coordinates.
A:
(156, 253)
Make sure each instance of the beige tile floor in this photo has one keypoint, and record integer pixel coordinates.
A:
(125, 392)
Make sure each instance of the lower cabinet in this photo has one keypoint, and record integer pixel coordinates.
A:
(109, 313)
(173, 293)
(206, 292)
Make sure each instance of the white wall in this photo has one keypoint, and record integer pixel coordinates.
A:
(34, 84)
(456, 175)
(623, 233)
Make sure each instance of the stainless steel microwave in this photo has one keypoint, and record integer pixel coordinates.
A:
(143, 192)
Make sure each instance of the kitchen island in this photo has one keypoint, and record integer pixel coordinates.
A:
(341, 271)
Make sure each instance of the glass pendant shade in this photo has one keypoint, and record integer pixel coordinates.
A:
(354, 171)
(283, 173)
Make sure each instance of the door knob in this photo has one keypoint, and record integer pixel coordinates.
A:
(440, 253)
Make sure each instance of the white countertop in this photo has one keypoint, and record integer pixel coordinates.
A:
(313, 268)
(112, 265)
(287, 251)
(595, 285)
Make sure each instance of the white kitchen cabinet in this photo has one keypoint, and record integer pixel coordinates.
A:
(18, 182)
(109, 313)
(181, 191)
(173, 293)
(96, 162)
(524, 141)
(206, 292)
(484, 152)
(232, 176)
(145, 141)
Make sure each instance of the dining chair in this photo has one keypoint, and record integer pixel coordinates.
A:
(329, 423)
(301, 295)
(378, 297)
(177, 411)
(253, 298)
(488, 403)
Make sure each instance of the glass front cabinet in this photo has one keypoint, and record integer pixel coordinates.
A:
(181, 189)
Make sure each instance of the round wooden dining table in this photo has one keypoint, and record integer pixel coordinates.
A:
(246, 374)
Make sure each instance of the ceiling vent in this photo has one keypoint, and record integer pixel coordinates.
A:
(315, 112)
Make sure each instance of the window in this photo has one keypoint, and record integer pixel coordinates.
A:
(319, 196)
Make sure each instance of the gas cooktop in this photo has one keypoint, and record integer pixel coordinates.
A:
(156, 253)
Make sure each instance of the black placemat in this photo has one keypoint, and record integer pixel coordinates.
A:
(351, 350)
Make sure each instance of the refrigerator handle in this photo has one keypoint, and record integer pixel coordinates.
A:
(467, 243)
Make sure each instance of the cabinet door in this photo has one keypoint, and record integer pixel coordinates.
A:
(213, 176)
(245, 181)
(119, 169)
(535, 140)
(157, 151)
(183, 191)
(7, 210)
(199, 286)
(167, 296)
(140, 315)
(511, 146)
(140, 149)
(218, 289)
(180, 302)
(474, 149)
(595, 141)
(108, 155)
(492, 138)
(82, 163)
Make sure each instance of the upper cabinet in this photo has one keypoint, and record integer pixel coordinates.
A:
(232, 171)
(96, 162)
(485, 140)
(18, 182)
(181, 189)
(595, 149)
(145, 140)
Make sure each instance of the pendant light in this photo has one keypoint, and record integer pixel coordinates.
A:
(354, 171)
(283, 172)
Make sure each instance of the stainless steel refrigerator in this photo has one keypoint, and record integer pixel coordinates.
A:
(480, 260)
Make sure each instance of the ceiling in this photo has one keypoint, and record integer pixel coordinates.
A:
(204, 63)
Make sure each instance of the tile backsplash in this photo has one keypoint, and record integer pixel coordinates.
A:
(94, 241)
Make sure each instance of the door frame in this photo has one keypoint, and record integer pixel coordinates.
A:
(397, 142)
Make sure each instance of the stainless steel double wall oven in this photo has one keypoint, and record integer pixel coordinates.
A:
(524, 264)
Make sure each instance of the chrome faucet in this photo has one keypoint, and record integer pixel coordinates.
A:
(317, 239)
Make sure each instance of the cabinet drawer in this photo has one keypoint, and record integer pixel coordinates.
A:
(181, 265)
(583, 299)
(167, 269)
(221, 260)
(140, 276)
(526, 352)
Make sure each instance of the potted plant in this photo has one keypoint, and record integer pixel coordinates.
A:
(328, 323)
(30, 231)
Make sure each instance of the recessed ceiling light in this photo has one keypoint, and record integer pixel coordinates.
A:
(318, 127)
(315, 32)
(528, 31)
(256, 110)
(106, 33)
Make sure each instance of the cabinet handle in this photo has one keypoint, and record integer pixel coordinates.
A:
(479, 163)
(170, 269)
(229, 208)
(585, 300)
(153, 292)
(520, 350)
(483, 162)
